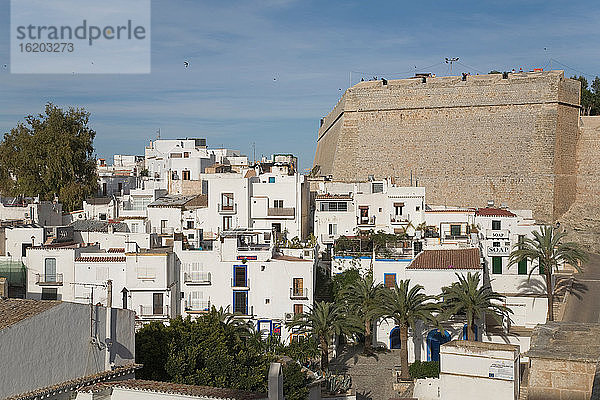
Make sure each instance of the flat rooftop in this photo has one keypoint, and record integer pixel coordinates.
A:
(574, 341)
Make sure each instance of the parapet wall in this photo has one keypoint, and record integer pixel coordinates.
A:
(511, 140)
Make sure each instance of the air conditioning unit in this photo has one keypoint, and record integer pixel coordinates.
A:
(289, 316)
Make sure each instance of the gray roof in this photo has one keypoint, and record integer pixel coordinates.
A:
(573, 341)
(13, 311)
(171, 201)
(90, 225)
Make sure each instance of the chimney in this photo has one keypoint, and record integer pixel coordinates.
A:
(275, 382)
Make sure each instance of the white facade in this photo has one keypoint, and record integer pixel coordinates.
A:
(244, 275)
(343, 208)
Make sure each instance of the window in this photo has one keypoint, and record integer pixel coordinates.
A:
(418, 208)
(496, 225)
(522, 270)
(389, 280)
(298, 287)
(278, 203)
(175, 155)
(496, 244)
(496, 265)
(377, 187)
(276, 226)
(120, 187)
(454, 230)
(398, 208)
(102, 217)
(50, 270)
(334, 206)
(157, 304)
(240, 302)
(227, 201)
(227, 223)
(332, 229)
(239, 276)
(185, 175)
(124, 298)
(49, 294)
(189, 224)
(163, 226)
(186, 154)
(104, 189)
(271, 179)
(298, 309)
(190, 236)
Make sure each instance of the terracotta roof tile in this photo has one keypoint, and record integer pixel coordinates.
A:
(328, 196)
(177, 388)
(101, 259)
(77, 382)
(494, 212)
(13, 311)
(116, 250)
(447, 259)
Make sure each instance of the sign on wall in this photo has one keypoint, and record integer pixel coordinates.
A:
(502, 370)
(493, 234)
(500, 251)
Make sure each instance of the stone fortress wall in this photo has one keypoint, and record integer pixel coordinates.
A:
(514, 141)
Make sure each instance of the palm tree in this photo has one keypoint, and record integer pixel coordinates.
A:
(548, 248)
(467, 298)
(405, 306)
(324, 321)
(363, 299)
(235, 326)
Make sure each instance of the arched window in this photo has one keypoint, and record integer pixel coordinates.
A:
(434, 340)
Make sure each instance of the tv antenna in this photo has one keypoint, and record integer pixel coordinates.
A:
(451, 60)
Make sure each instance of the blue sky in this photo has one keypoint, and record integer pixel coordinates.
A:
(266, 71)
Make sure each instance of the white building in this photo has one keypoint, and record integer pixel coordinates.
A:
(31, 210)
(52, 348)
(243, 273)
(118, 179)
(344, 208)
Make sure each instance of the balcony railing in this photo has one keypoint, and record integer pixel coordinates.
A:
(154, 311)
(254, 247)
(49, 279)
(240, 283)
(281, 211)
(456, 237)
(227, 208)
(365, 220)
(397, 219)
(197, 305)
(197, 277)
(298, 293)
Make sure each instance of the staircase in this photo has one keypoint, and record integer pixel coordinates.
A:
(373, 377)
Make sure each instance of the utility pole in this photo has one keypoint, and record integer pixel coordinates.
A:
(451, 60)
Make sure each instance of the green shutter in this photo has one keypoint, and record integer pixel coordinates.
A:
(496, 265)
(523, 267)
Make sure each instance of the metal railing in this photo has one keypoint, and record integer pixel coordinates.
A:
(157, 311)
(49, 279)
(399, 218)
(245, 283)
(254, 247)
(298, 293)
(199, 277)
(281, 211)
(197, 305)
(365, 220)
(227, 208)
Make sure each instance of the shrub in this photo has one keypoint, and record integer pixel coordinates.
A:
(424, 369)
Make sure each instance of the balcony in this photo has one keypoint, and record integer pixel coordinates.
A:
(154, 311)
(197, 278)
(399, 219)
(197, 305)
(281, 212)
(49, 279)
(227, 208)
(365, 221)
(299, 293)
(456, 237)
(327, 239)
(240, 283)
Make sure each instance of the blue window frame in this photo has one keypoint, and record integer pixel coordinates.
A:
(240, 302)
(240, 276)
(389, 280)
(271, 179)
(263, 325)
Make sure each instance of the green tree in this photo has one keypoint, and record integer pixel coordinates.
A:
(341, 281)
(152, 350)
(324, 321)
(406, 305)
(295, 382)
(550, 249)
(468, 298)
(363, 298)
(50, 154)
(587, 97)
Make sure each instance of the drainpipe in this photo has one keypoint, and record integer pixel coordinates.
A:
(107, 363)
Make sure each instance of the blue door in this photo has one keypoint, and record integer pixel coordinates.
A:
(395, 338)
(465, 335)
(434, 340)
